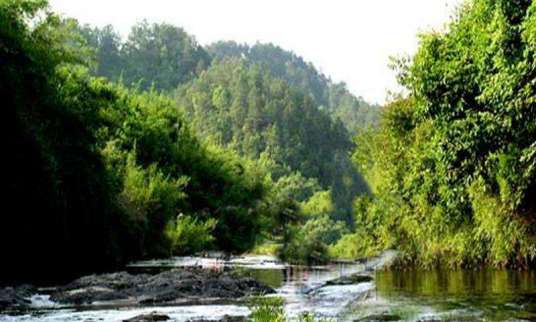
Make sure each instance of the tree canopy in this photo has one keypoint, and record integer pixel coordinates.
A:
(335, 98)
(242, 106)
(255, 109)
(159, 55)
(452, 167)
(98, 174)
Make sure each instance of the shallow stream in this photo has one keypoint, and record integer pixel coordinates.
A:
(481, 295)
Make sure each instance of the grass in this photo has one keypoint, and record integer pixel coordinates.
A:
(271, 309)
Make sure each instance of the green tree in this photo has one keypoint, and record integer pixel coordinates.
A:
(107, 45)
(452, 166)
(161, 55)
(58, 206)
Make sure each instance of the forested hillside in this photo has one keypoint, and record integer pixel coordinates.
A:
(160, 144)
(166, 56)
(159, 55)
(259, 101)
(242, 106)
(353, 111)
(452, 167)
(172, 152)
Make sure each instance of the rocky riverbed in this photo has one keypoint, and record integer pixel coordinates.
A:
(177, 286)
(175, 289)
(191, 289)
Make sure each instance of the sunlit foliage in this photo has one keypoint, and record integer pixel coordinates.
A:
(452, 167)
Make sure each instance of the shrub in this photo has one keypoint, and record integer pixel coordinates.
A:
(189, 235)
(309, 242)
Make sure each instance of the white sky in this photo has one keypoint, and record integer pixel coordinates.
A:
(348, 40)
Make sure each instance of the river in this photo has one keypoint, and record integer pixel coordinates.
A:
(412, 295)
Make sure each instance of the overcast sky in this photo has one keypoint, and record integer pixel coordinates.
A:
(348, 40)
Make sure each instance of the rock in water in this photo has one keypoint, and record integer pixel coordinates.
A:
(226, 318)
(380, 318)
(351, 279)
(164, 287)
(15, 297)
(151, 317)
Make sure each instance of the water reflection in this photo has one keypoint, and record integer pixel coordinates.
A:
(474, 295)
(456, 282)
(272, 277)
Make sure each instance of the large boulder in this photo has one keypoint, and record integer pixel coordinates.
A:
(168, 286)
(16, 297)
(151, 317)
(350, 279)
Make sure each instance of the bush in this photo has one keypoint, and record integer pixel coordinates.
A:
(150, 200)
(189, 235)
(309, 242)
(353, 246)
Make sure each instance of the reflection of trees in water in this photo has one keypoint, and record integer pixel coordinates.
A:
(470, 282)
(271, 277)
(496, 293)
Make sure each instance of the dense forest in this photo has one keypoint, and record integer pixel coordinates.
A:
(99, 173)
(452, 166)
(335, 98)
(165, 56)
(244, 107)
(259, 100)
(154, 145)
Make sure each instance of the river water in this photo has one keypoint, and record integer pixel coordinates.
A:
(440, 295)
